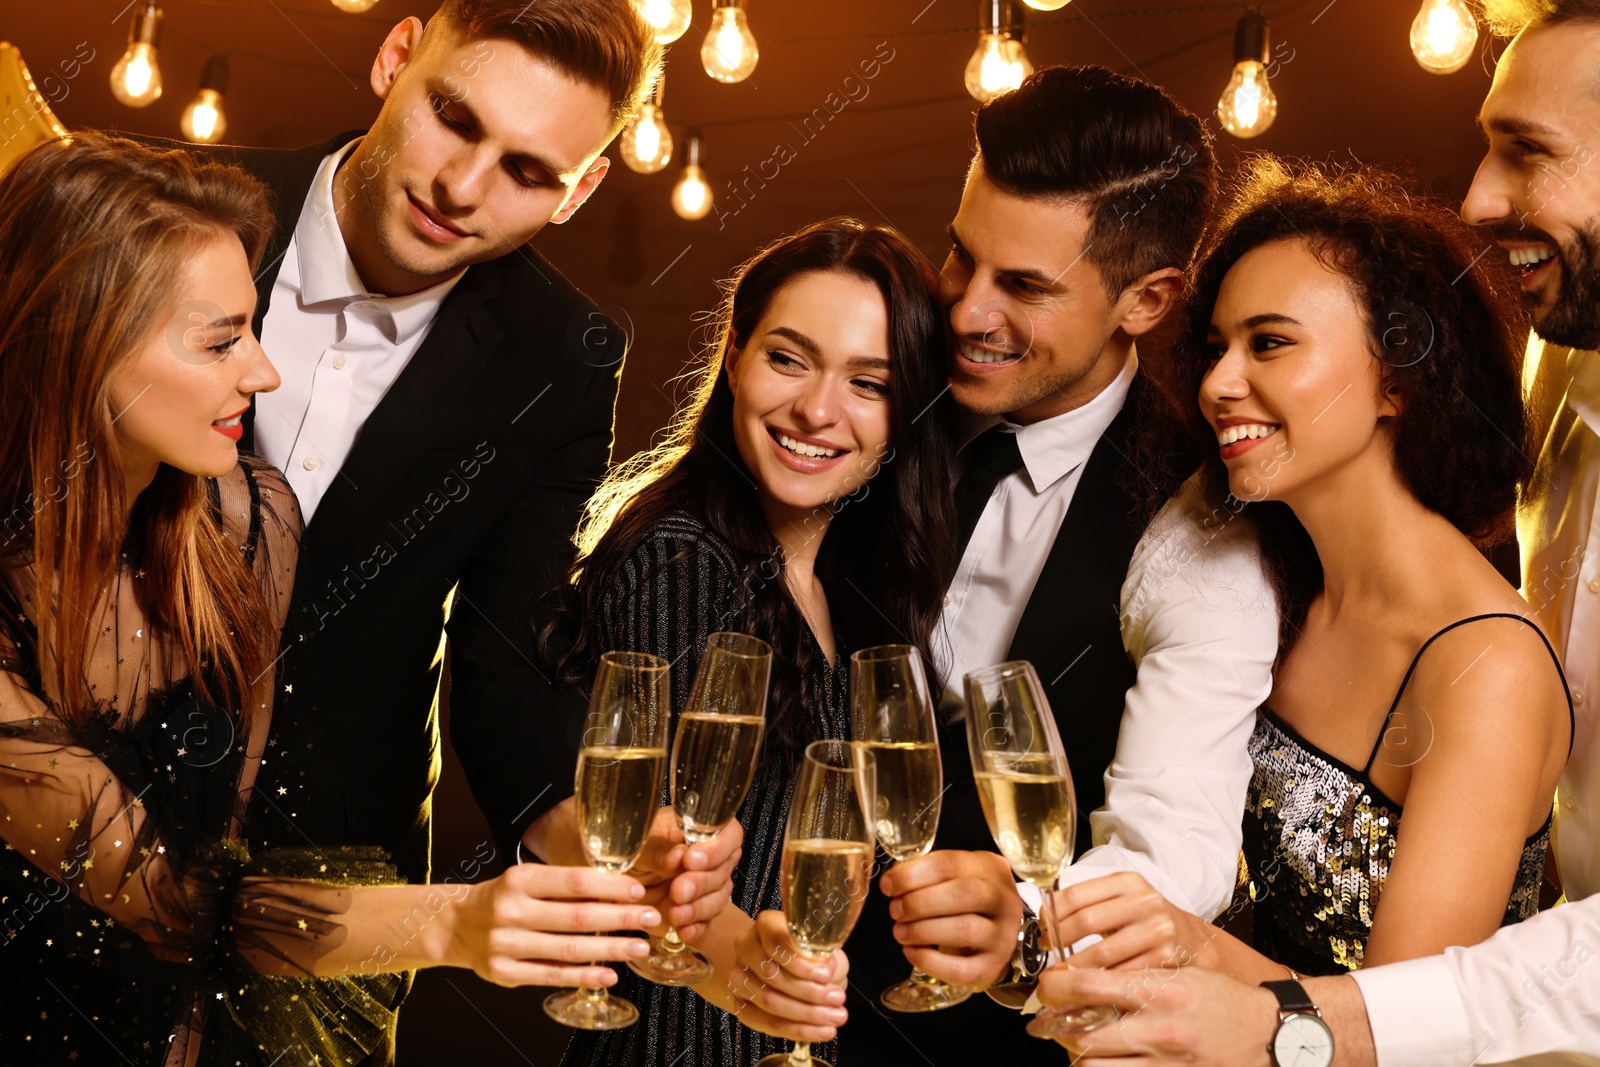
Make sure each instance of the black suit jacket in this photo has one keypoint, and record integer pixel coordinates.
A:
(468, 478)
(1071, 631)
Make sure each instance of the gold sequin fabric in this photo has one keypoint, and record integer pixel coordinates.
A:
(1319, 840)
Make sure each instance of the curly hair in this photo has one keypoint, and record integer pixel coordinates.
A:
(891, 548)
(1441, 318)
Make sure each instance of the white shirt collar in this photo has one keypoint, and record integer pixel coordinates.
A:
(326, 272)
(1052, 448)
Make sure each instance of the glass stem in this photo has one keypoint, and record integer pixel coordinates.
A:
(801, 1056)
(1047, 918)
(672, 942)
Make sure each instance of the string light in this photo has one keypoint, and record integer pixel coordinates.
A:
(1443, 35)
(203, 120)
(1047, 5)
(729, 52)
(667, 18)
(136, 79)
(1248, 104)
(999, 64)
(355, 7)
(647, 143)
(691, 197)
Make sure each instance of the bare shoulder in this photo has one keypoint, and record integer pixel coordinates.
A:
(1493, 680)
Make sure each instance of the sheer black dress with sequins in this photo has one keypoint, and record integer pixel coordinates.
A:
(1319, 839)
(679, 586)
(135, 926)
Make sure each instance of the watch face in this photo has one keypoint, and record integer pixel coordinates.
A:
(1032, 957)
(1303, 1040)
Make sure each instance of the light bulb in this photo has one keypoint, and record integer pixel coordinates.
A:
(1248, 104)
(355, 7)
(998, 66)
(691, 197)
(647, 143)
(136, 79)
(668, 19)
(729, 52)
(1047, 5)
(203, 120)
(1443, 35)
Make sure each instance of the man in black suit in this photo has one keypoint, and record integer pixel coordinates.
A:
(447, 410)
(1153, 637)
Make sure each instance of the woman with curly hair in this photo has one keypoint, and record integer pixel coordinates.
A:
(803, 496)
(1353, 357)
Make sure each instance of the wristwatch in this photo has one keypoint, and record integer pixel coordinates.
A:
(1302, 1038)
(1027, 962)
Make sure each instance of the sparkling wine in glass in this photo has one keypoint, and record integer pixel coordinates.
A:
(827, 859)
(892, 716)
(713, 759)
(1026, 791)
(618, 791)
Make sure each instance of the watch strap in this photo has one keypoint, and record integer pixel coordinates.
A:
(1291, 996)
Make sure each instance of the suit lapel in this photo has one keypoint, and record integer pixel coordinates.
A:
(463, 334)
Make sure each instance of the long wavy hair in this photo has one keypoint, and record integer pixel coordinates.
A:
(889, 549)
(93, 231)
(1442, 320)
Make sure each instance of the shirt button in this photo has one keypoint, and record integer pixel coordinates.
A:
(309, 463)
(1567, 803)
(1578, 695)
(949, 600)
(1594, 585)
(338, 364)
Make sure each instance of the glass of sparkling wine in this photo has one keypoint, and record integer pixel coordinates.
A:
(892, 716)
(618, 789)
(1026, 791)
(713, 759)
(827, 859)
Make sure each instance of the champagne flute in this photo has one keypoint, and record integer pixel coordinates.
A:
(827, 859)
(1026, 791)
(618, 787)
(713, 759)
(892, 716)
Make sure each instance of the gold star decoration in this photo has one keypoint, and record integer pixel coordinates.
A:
(301, 923)
(72, 824)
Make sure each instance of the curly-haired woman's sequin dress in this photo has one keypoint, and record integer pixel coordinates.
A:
(1319, 839)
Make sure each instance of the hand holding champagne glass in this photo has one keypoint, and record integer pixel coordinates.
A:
(892, 716)
(618, 787)
(1026, 791)
(827, 859)
(713, 759)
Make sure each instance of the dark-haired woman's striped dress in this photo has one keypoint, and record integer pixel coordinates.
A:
(678, 586)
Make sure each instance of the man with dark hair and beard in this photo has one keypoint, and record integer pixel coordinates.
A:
(1526, 992)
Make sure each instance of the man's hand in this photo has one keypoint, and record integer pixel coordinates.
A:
(691, 885)
(533, 925)
(956, 914)
(1171, 1016)
(1138, 926)
(780, 992)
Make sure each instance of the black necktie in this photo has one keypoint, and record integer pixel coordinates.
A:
(994, 455)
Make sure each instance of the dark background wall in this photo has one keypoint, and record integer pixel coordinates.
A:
(1346, 83)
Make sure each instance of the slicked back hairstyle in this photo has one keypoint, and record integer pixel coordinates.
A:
(601, 42)
(1138, 162)
(1509, 17)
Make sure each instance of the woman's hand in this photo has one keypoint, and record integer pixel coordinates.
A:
(1138, 927)
(692, 883)
(533, 925)
(785, 994)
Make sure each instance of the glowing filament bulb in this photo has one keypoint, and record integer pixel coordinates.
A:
(1248, 104)
(691, 197)
(647, 143)
(1443, 35)
(729, 53)
(136, 78)
(668, 19)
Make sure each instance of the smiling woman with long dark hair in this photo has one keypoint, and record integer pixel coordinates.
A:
(803, 495)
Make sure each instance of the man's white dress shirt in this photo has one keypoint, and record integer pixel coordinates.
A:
(337, 347)
(1198, 620)
(1532, 989)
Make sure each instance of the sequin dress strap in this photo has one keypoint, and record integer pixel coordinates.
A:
(1366, 770)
